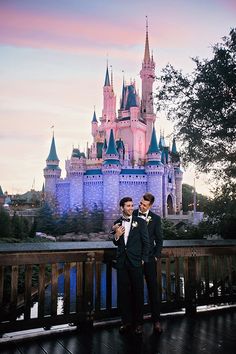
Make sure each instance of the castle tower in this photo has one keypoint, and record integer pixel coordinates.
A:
(109, 105)
(94, 125)
(147, 75)
(111, 170)
(75, 168)
(52, 174)
(154, 170)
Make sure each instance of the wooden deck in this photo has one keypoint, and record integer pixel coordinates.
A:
(210, 332)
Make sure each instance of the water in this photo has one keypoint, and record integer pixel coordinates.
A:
(60, 298)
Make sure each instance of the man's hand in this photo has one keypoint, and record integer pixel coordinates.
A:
(114, 227)
(119, 231)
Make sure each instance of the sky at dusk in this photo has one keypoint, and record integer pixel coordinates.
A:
(53, 56)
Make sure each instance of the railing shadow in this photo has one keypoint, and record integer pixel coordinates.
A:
(75, 282)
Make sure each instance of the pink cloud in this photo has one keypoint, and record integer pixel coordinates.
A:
(36, 30)
(228, 4)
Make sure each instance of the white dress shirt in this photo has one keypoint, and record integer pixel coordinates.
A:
(127, 226)
(142, 216)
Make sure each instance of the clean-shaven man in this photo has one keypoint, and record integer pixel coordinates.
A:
(153, 222)
(130, 235)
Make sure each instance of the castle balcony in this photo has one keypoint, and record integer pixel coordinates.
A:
(64, 287)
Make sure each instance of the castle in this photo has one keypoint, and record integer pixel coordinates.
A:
(124, 158)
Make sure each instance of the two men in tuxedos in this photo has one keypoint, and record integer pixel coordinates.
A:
(130, 235)
(153, 222)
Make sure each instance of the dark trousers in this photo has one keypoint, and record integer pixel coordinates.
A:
(150, 273)
(130, 293)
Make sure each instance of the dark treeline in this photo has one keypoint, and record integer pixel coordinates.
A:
(18, 228)
(219, 219)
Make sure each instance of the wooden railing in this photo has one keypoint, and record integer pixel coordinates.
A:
(75, 282)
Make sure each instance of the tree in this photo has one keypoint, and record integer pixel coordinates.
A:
(169, 230)
(203, 107)
(221, 211)
(45, 220)
(17, 226)
(202, 201)
(5, 224)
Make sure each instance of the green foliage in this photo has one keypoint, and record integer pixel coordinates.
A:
(203, 107)
(5, 224)
(46, 220)
(202, 201)
(82, 221)
(33, 229)
(222, 211)
(169, 230)
(16, 226)
(195, 232)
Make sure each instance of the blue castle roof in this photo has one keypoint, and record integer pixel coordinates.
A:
(165, 155)
(153, 147)
(174, 148)
(53, 167)
(107, 78)
(154, 163)
(94, 120)
(105, 144)
(111, 149)
(76, 153)
(53, 154)
(93, 172)
(129, 171)
(131, 99)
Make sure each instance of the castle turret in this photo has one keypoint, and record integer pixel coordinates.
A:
(154, 170)
(109, 103)
(94, 125)
(121, 149)
(75, 168)
(52, 173)
(147, 75)
(111, 170)
(104, 148)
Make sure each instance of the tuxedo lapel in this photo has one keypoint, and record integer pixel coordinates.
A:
(131, 230)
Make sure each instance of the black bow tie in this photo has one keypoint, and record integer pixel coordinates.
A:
(141, 214)
(124, 219)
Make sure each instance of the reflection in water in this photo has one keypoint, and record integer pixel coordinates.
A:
(60, 298)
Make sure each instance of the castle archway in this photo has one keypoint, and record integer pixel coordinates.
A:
(170, 209)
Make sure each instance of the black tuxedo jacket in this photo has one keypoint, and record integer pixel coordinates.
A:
(137, 246)
(155, 234)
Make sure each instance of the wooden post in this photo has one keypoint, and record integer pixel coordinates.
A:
(86, 316)
(190, 285)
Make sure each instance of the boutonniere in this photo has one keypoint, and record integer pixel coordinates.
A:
(134, 224)
(148, 220)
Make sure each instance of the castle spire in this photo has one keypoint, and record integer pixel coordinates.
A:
(94, 120)
(174, 148)
(111, 149)
(111, 76)
(53, 154)
(153, 147)
(104, 147)
(122, 103)
(107, 78)
(146, 51)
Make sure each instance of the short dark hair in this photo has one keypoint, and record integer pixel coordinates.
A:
(149, 197)
(125, 200)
